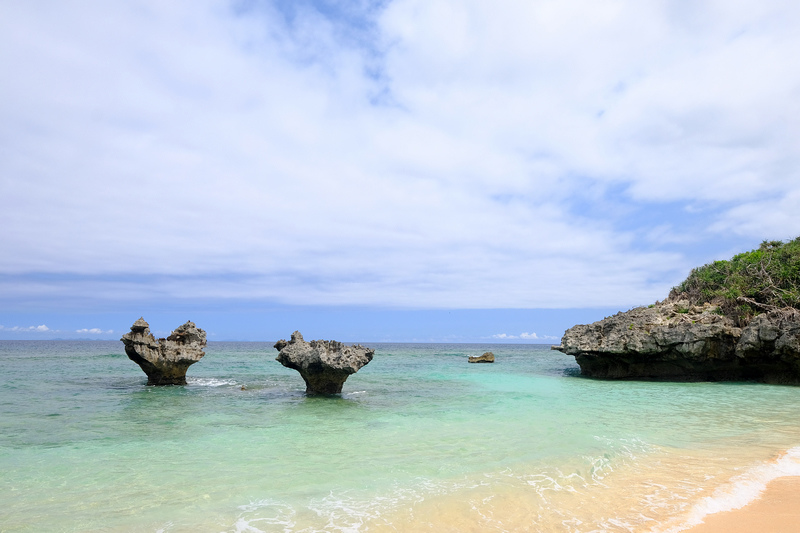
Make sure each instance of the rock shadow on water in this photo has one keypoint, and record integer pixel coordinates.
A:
(345, 400)
(573, 372)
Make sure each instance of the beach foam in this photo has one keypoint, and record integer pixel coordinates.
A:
(345, 512)
(742, 489)
(591, 494)
(273, 515)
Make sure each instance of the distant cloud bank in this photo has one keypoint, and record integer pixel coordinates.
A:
(32, 329)
(522, 336)
(96, 331)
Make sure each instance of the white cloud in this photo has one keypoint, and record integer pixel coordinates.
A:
(770, 218)
(681, 107)
(191, 152)
(523, 336)
(95, 331)
(35, 329)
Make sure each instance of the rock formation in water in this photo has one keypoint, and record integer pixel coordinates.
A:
(165, 361)
(678, 341)
(487, 357)
(324, 365)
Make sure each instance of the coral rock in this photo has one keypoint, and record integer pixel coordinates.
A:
(487, 357)
(165, 361)
(324, 365)
(674, 340)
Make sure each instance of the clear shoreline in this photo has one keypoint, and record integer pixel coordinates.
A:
(776, 510)
(420, 442)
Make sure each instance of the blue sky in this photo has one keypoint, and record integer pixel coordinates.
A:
(384, 171)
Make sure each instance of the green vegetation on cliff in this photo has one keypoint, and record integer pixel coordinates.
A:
(749, 283)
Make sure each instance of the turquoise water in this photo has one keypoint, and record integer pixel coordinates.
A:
(420, 440)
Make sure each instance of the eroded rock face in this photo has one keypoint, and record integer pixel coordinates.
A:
(676, 341)
(165, 361)
(487, 357)
(324, 365)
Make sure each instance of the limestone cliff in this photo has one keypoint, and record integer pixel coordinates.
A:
(675, 340)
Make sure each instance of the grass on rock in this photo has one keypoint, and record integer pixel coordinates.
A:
(749, 283)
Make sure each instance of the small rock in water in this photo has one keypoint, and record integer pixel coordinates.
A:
(165, 361)
(324, 365)
(487, 357)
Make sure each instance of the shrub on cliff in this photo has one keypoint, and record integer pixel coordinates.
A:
(749, 283)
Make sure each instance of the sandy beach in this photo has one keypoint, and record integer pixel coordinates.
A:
(776, 511)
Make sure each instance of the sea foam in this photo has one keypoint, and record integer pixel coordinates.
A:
(742, 489)
(210, 382)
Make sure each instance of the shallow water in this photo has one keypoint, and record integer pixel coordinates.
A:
(419, 441)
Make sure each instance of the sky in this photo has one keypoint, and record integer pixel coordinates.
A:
(394, 170)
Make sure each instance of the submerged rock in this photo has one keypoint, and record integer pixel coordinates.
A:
(324, 365)
(487, 357)
(165, 361)
(674, 340)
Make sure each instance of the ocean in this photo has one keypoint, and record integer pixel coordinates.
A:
(419, 440)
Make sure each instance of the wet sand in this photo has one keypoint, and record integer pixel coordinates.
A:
(776, 511)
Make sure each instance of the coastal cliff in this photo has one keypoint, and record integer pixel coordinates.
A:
(730, 320)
